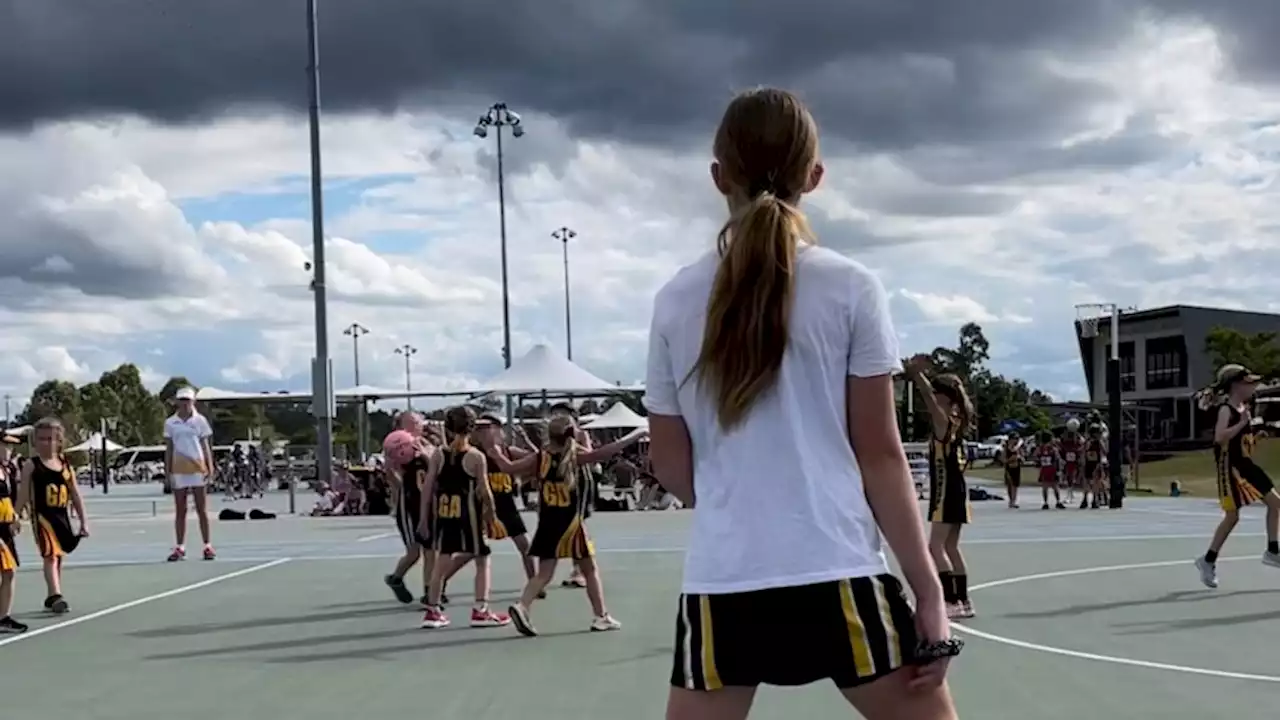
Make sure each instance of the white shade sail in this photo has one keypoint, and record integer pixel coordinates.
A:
(617, 417)
(544, 370)
(94, 443)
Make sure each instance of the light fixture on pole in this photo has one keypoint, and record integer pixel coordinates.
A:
(106, 425)
(564, 235)
(1088, 316)
(354, 331)
(497, 117)
(407, 351)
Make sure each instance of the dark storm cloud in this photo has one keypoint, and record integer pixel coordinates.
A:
(888, 74)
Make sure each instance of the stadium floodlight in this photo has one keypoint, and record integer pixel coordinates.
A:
(497, 117)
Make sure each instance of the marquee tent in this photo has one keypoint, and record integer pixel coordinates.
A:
(544, 370)
(618, 417)
(94, 444)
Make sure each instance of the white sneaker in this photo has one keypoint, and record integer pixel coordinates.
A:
(605, 623)
(1209, 572)
(1272, 559)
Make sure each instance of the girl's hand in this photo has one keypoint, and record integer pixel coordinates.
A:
(931, 626)
(16, 527)
(84, 529)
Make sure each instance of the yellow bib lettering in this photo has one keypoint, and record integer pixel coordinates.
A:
(556, 494)
(449, 507)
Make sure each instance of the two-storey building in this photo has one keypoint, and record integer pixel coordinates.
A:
(1163, 362)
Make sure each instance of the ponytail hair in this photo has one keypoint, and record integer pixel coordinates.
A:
(766, 151)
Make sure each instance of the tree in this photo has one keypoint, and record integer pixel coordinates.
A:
(1260, 352)
(141, 416)
(98, 403)
(967, 357)
(171, 388)
(54, 398)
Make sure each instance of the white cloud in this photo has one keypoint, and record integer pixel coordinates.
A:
(1170, 190)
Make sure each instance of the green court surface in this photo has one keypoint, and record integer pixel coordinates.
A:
(294, 621)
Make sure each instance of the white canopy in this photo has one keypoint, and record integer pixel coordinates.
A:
(94, 443)
(620, 417)
(213, 394)
(542, 369)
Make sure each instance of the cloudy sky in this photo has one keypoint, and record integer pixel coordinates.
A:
(994, 160)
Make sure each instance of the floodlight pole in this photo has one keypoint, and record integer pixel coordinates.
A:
(497, 117)
(321, 392)
(564, 235)
(1115, 415)
(354, 331)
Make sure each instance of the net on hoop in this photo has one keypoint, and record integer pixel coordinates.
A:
(1088, 318)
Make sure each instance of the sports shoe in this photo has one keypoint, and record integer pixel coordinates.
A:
(434, 619)
(519, 615)
(9, 626)
(964, 610)
(484, 617)
(57, 605)
(953, 610)
(1209, 572)
(399, 590)
(208, 553)
(605, 623)
(179, 553)
(1271, 559)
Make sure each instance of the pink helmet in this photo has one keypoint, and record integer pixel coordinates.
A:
(399, 447)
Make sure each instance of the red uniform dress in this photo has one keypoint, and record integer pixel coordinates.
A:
(1072, 449)
(1047, 461)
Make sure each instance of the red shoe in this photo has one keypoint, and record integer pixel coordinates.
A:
(209, 554)
(179, 553)
(488, 618)
(434, 619)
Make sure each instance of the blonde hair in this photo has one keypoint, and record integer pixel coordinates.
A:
(766, 148)
(562, 426)
(50, 423)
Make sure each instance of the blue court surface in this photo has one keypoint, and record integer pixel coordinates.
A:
(1095, 614)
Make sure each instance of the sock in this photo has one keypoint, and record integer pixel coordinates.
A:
(962, 587)
(948, 587)
(1211, 557)
(1273, 547)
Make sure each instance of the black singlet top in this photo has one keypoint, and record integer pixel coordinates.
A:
(1239, 449)
(454, 486)
(946, 453)
(50, 486)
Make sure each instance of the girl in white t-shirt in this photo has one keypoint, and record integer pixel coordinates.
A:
(771, 408)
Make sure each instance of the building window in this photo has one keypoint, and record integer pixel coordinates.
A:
(1128, 367)
(1166, 362)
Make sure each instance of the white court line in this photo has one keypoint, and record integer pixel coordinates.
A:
(1094, 657)
(378, 536)
(142, 601)
(1097, 538)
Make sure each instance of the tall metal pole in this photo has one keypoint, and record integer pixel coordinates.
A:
(1115, 420)
(497, 117)
(564, 235)
(408, 351)
(321, 392)
(355, 330)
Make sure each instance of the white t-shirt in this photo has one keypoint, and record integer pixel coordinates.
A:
(188, 438)
(780, 499)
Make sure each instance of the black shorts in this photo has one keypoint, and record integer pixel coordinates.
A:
(1013, 476)
(848, 631)
(1242, 485)
(507, 522)
(949, 503)
(408, 515)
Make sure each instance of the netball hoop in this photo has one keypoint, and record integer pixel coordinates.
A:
(1088, 317)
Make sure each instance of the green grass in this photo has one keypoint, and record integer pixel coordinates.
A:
(1194, 470)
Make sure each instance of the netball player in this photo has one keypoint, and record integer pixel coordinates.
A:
(49, 488)
(576, 578)
(457, 491)
(951, 416)
(406, 482)
(1047, 460)
(771, 404)
(10, 526)
(562, 532)
(1070, 449)
(1240, 480)
(1094, 463)
(507, 521)
(188, 465)
(1011, 455)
